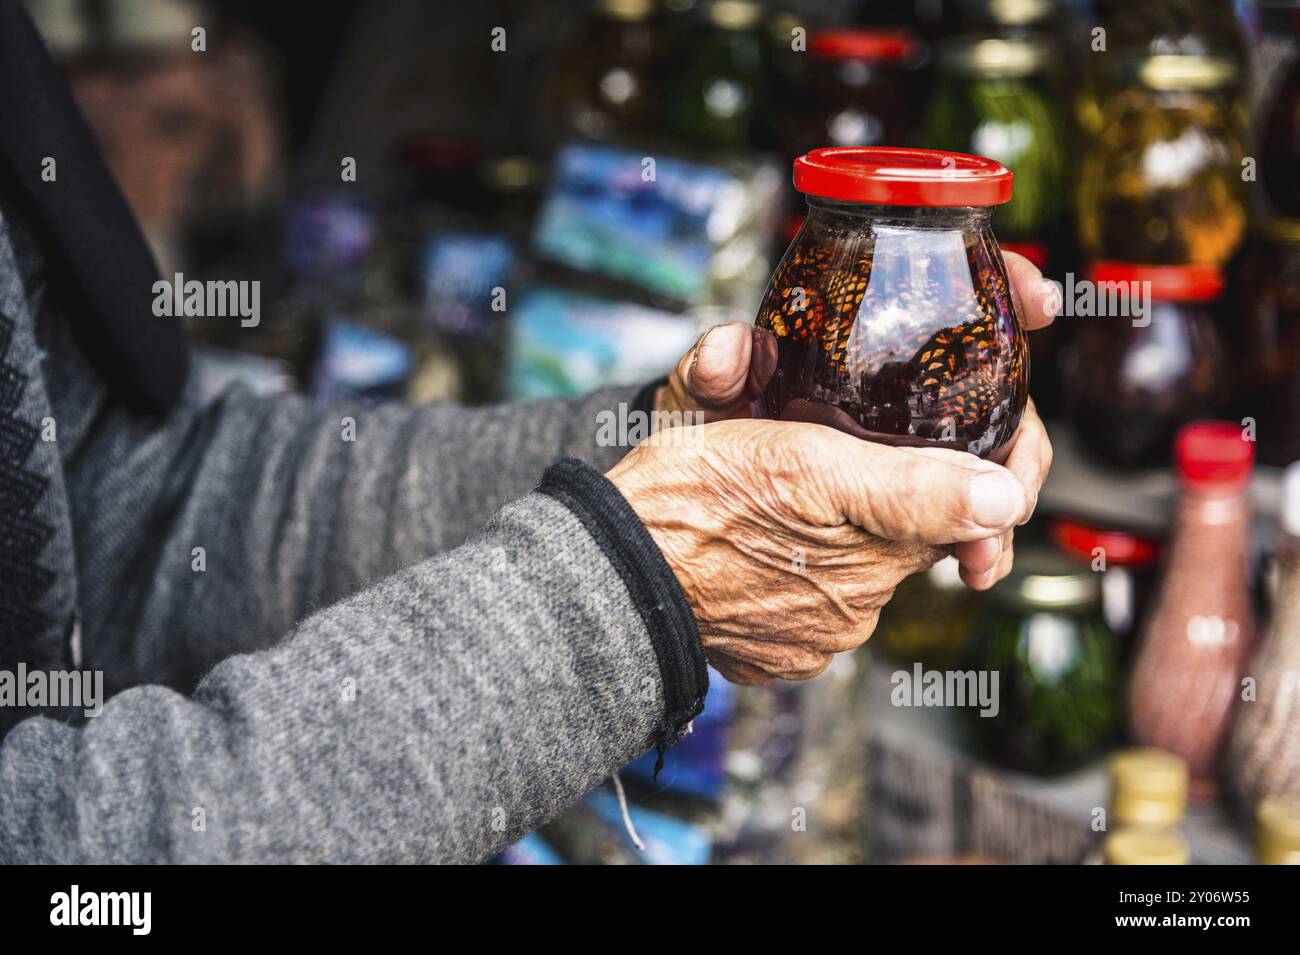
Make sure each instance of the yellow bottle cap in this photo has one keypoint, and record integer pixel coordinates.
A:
(1148, 788)
(1278, 839)
(1142, 845)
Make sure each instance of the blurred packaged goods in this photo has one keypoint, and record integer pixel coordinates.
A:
(1127, 566)
(1263, 756)
(1162, 180)
(1264, 337)
(565, 343)
(929, 618)
(1129, 382)
(1277, 840)
(1143, 846)
(1058, 690)
(1186, 679)
(686, 233)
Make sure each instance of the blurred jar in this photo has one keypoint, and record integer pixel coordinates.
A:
(1186, 679)
(1162, 178)
(855, 91)
(1277, 840)
(604, 85)
(994, 97)
(1265, 340)
(929, 617)
(1128, 387)
(1134, 31)
(1126, 564)
(1058, 686)
(718, 96)
(1263, 757)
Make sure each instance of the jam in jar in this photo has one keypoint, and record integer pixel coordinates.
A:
(890, 316)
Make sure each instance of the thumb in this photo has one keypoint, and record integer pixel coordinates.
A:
(716, 369)
(926, 495)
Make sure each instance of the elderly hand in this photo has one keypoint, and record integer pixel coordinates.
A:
(722, 376)
(788, 538)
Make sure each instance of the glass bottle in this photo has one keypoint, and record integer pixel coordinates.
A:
(1263, 756)
(929, 618)
(1185, 680)
(1126, 563)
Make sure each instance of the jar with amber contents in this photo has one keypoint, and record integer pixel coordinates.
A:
(890, 316)
(1162, 180)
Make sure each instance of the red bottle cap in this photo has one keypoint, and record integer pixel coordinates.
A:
(1214, 452)
(1120, 548)
(878, 46)
(893, 176)
(1169, 283)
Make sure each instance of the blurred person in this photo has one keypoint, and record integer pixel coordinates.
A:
(391, 634)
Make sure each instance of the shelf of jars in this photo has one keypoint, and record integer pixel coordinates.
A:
(931, 799)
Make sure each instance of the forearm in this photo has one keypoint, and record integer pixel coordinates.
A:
(436, 716)
(249, 514)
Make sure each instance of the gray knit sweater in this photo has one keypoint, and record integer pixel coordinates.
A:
(388, 649)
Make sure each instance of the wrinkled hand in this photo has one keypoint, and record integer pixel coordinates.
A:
(725, 372)
(788, 538)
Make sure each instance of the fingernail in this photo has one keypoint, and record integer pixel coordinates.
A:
(995, 499)
(1051, 298)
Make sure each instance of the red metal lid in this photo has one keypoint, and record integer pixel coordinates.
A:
(879, 46)
(1169, 283)
(1120, 548)
(1214, 452)
(892, 176)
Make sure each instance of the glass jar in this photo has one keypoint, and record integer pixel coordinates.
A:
(1129, 383)
(1058, 687)
(929, 617)
(718, 96)
(994, 98)
(1162, 180)
(890, 316)
(1265, 341)
(855, 91)
(1186, 679)
(1126, 564)
(604, 86)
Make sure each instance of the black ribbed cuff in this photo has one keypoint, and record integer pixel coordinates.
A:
(654, 589)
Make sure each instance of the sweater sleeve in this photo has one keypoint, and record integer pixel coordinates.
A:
(435, 716)
(218, 529)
